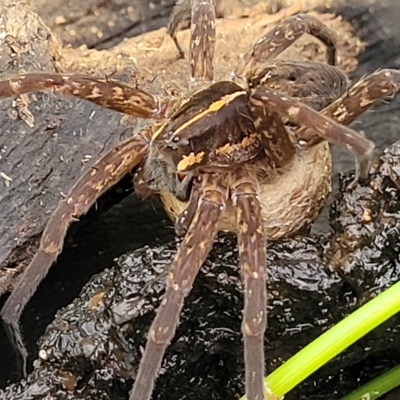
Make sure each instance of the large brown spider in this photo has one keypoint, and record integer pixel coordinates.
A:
(223, 158)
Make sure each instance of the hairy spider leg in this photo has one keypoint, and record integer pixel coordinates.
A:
(104, 174)
(180, 12)
(327, 128)
(314, 84)
(202, 36)
(105, 92)
(361, 96)
(353, 103)
(252, 252)
(356, 100)
(284, 34)
(190, 257)
(202, 41)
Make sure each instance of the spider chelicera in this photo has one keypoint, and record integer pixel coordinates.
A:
(247, 154)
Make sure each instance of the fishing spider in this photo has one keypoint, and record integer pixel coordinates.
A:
(248, 154)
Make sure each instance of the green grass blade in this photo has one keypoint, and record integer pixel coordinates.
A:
(377, 387)
(334, 341)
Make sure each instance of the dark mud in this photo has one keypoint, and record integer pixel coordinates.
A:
(93, 346)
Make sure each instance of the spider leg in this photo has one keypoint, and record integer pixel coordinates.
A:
(355, 101)
(103, 91)
(327, 128)
(185, 266)
(315, 84)
(202, 41)
(252, 249)
(93, 183)
(281, 37)
(180, 12)
(278, 142)
(364, 94)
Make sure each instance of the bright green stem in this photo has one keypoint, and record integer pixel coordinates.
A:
(334, 341)
(378, 386)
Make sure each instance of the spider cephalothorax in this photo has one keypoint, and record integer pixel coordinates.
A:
(212, 131)
(247, 154)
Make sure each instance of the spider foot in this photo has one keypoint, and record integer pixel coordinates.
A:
(181, 53)
(363, 165)
(21, 354)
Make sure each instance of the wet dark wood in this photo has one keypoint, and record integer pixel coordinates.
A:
(61, 135)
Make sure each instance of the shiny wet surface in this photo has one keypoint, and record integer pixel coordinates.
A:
(93, 345)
